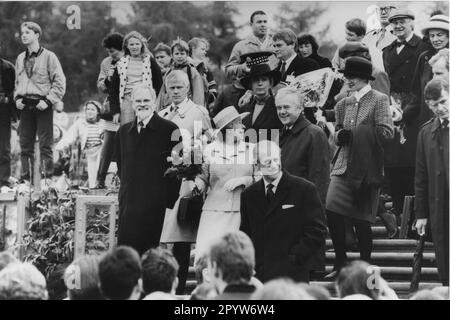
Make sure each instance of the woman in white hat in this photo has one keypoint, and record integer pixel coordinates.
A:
(228, 169)
(436, 30)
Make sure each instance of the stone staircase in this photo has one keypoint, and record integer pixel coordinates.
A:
(393, 256)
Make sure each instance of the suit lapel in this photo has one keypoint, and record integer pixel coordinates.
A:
(260, 203)
(280, 194)
(409, 50)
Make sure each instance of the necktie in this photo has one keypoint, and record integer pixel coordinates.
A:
(400, 43)
(140, 126)
(283, 69)
(285, 131)
(270, 195)
(382, 35)
(444, 124)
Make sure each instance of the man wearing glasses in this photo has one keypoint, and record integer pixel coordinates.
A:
(378, 39)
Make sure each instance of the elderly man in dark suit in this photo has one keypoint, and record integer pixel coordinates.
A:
(304, 146)
(142, 148)
(431, 180)
(283, 216)
(400, 59)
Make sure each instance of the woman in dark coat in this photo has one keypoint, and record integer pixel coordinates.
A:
(363, 124)
(308, 47)
(436, 30)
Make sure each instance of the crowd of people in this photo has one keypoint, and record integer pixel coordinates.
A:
(276, 174)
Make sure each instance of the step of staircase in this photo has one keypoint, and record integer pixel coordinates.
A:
(390, 259)
(392, 245)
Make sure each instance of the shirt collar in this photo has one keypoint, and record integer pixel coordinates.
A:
(274, 183)
(409, 38)
(289, 61)
(182, 106)
(36, 53)
(362, 92)
(146, 121)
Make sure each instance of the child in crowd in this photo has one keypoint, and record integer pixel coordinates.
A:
(89, 132)
(163, 57)
(180, 50)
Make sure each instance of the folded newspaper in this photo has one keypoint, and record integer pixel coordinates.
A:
(314, 86)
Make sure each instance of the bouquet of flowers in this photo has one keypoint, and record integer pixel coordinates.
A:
(188, 165)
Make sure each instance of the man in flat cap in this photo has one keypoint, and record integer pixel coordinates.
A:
(400, 59)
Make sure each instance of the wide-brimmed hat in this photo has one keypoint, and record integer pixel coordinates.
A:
(226, 116)
(257, 70)
(438, 21)
(358, 67)
(401, 13)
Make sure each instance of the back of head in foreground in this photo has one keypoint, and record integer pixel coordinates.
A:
(120, 274)
(22, 281)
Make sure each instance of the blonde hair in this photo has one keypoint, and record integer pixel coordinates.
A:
(441, 54)
(138, 36)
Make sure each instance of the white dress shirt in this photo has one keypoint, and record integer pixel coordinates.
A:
(399, 49)
(274, 183)
(362, 92)
(145, 122)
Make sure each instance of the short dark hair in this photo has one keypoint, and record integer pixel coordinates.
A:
(113, 41)
(434, 88)
(234, 256)
(162, 47)
(286, 35)
(357, 26)
(119, 272)
(306, 38)
(159, 270)
(353, 279)
(258, 12)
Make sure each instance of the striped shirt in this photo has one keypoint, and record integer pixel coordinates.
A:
(134, 74)
(94, 137)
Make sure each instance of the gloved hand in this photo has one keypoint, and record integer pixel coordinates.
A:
(343, 137)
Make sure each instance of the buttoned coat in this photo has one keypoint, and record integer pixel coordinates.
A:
(288, 231)
(431, 188)
(144, 192)
(401, 68)
(305, 153)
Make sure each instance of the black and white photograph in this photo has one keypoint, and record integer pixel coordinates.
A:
(252, 151)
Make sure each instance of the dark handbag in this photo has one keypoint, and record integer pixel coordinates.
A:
(190, 209)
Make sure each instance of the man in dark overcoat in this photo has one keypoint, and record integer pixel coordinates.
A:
(283, 216)
(400, 59)
(142, 148)
(431, 179)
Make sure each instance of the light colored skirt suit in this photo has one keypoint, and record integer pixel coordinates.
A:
(221, 210)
